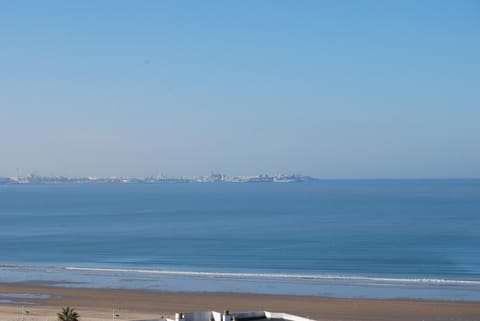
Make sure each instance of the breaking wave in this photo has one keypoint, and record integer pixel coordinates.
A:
(425, 281)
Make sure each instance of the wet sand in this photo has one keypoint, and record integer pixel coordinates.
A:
(97, 305)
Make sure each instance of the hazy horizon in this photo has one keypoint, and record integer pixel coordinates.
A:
(271, 174)
(339, 90)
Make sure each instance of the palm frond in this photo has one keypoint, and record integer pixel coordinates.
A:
(68, 314)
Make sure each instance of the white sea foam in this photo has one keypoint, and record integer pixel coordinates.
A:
(383, 280)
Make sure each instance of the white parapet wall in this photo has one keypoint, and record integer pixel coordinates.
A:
(285, 316)
(217, 316)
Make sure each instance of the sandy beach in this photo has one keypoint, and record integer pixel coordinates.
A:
(97, 304)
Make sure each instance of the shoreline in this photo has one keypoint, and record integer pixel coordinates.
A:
(97, 304)
(334, 286)
(41, 284)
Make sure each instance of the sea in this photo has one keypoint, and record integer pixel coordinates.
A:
(414, 239)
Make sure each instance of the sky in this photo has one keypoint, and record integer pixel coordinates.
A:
(331, 89)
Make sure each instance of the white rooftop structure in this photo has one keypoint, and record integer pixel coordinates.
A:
(236, 316)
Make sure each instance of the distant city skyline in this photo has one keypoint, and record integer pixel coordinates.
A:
(212, 178)
(350, 89)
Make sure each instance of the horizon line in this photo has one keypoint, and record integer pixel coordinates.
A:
(218, 174)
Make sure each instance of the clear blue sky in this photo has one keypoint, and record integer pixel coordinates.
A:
(333, 89)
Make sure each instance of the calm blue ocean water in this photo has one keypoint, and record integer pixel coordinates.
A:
(409, 238)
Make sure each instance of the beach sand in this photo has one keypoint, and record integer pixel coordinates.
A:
(97, 304)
